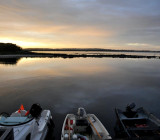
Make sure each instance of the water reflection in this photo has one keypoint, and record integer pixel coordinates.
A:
(99, 85)
(13, 59)
(9, 61)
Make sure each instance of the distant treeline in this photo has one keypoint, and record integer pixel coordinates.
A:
(9, 47)
(89, 49)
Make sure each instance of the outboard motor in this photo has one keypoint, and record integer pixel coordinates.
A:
(35, 110)
(81, 112)
(130, 107)
(129, 111)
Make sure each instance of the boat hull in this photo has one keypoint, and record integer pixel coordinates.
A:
(89, 128)
(138, 124)
(35, 129)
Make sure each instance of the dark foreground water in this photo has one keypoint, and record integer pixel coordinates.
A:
(97, 84)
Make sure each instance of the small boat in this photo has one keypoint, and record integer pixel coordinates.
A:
(26, 125)
(83, 126)
(136, 123)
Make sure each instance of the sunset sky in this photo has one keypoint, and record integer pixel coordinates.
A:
(112, 24)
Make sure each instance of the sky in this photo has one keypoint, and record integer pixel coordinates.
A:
(110, 24)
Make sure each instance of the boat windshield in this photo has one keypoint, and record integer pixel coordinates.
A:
(14, 120)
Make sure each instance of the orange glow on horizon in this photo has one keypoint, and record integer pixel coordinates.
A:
(28, 44)
(35, 44)
(20, 43)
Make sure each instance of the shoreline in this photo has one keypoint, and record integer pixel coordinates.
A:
(76, 56)
(91, 49)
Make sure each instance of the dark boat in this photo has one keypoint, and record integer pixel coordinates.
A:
(136, 123)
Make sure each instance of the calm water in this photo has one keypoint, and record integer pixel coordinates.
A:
(98, 84)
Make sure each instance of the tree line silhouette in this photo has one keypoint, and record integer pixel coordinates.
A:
(9, 47)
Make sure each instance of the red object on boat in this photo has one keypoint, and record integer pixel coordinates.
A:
(141, 125)
(19, 111)
(68, 128)
(27, 113)
(22, 107)
(71, 122)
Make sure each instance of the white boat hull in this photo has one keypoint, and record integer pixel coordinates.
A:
(36, 129)
(94, 123)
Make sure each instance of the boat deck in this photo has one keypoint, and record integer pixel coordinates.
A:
(89, 127)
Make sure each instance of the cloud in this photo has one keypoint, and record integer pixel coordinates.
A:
(138, 44)
(81, 22)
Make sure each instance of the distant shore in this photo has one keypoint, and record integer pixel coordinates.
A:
(9, 50)
(90, 49)
(78, 56)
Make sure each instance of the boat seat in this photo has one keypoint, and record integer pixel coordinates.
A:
(15, 114)
(131, 114)
(82, 122)
(15, 120)
(23, 113)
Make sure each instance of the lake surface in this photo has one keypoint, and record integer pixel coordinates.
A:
(97, 84)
